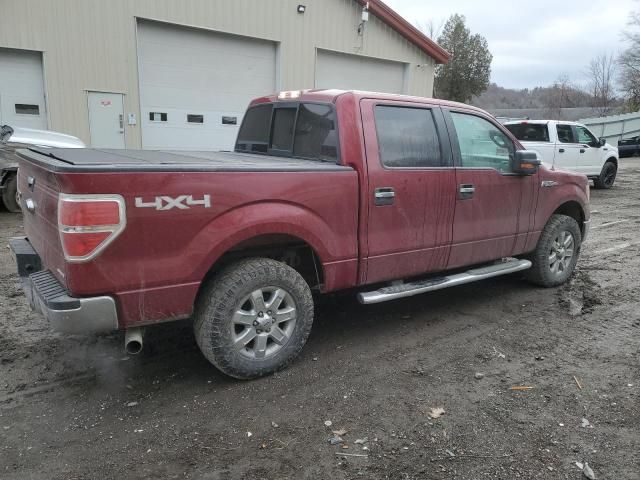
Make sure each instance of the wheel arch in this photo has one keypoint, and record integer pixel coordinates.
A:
(574, 210)
(292, 249)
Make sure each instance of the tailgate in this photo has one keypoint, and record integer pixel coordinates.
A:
(38, 187)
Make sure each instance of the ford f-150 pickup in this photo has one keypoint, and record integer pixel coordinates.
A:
(570, 146)
(326, 190)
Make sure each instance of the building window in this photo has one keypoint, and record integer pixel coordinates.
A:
(157, 116)
(27, 109)
(193, 118)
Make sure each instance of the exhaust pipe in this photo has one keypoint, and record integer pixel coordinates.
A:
(133, 341)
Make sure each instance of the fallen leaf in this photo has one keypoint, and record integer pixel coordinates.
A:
(340, 432)
(587, 472)
(436, 412)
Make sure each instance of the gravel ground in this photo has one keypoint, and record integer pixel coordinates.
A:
(77, 408)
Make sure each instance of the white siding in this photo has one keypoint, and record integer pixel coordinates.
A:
(357, 72)
(91, 44)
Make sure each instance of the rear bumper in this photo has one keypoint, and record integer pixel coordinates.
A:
(48, 296)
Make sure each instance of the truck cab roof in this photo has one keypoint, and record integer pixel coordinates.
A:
(541, 122)
(332, 95)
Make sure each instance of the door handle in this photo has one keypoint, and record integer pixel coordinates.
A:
(466, 190)
(561, 150)
(30, 204)
(384, 196)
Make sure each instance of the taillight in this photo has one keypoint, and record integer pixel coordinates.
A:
(88, 223)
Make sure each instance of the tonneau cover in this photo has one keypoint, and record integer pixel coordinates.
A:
(108, 160)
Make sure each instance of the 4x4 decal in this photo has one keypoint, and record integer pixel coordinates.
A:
(182, 202)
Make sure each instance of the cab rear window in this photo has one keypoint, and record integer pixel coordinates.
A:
(300, 130)
(529, 132)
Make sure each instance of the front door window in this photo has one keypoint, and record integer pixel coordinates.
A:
(482, 145)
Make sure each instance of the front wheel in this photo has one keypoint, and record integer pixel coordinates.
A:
(557, 252)
(607, 176)
(254, 318)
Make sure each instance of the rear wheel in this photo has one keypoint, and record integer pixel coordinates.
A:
(607, 176)
(10, 194)
(254, 318)
(557, 252)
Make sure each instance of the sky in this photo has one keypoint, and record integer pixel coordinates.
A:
(533, 43)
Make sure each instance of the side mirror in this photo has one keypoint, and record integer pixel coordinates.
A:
(525, 162)
(603, 141)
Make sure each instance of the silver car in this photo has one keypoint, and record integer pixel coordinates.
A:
(12, 139)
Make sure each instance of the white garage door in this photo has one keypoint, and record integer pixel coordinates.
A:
(355, 72)
(22, 89)
(195, 85)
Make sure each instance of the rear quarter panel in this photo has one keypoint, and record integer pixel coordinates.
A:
(157, 264)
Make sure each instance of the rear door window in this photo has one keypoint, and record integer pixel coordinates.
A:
(565, 134)
(407, 137)
(529, 132)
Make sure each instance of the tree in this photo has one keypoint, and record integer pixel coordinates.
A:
(601, 72)
(557, 97)
(469, 68)
(629, 62)
(431, 28)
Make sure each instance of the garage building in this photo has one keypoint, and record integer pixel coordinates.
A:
(161, 74)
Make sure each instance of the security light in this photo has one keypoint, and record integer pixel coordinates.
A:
(302, 8)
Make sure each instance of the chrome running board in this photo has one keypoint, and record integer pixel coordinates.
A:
(393, 292)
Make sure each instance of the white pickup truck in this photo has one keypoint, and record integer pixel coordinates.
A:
(570, 146)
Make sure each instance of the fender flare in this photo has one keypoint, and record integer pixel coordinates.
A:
(254, 220)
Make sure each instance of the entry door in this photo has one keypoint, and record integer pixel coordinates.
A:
(489, 212)
(106, 120)
(411, 190)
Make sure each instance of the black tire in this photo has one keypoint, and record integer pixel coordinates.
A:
(9, 194)
(542, 271)
(607, 176)
(229, 296)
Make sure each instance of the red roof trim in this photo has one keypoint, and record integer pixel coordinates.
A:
(408, 31)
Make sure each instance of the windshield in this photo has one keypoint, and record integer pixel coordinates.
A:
(529, 132)
(301, 130)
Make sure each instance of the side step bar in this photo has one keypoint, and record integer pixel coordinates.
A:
(393, 292)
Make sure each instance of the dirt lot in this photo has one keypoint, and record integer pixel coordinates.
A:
(76, 408)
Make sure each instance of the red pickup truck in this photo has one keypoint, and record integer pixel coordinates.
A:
(326, 190)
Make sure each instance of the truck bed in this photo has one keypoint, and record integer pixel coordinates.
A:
(112, 160)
